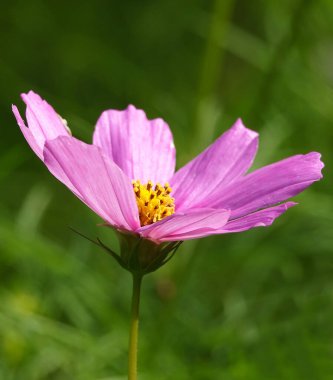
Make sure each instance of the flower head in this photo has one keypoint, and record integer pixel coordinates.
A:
(127, 175)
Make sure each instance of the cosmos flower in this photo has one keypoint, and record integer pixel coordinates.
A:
(127, 175)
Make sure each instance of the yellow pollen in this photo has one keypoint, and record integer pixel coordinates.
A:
(154, 202)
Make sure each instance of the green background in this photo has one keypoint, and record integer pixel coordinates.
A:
(248, 306)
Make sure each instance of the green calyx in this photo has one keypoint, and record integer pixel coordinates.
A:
(142, 256)
(138, 255)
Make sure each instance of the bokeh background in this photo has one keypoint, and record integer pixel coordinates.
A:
(249, 306)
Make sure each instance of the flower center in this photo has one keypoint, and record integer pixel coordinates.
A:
(154, 202)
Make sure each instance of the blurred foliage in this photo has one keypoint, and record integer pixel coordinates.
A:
(256, 305)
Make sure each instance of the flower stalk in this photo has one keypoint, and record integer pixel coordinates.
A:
(134, 328)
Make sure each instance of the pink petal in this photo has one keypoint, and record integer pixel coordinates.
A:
(183, 226)
(228, 158)
(269, 185)
(260, 218)
(27, 133)
(96, 180)
(38, 150)
(44, 123)
(142, 148)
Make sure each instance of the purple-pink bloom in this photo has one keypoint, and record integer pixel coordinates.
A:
(212, 194)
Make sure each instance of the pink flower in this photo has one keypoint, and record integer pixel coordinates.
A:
(124, 175)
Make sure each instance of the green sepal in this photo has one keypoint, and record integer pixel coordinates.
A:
(142, 256)
(138, 255)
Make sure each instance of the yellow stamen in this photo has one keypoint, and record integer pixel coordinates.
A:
(154, 202)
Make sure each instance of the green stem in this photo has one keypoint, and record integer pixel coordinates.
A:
(134, 329)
